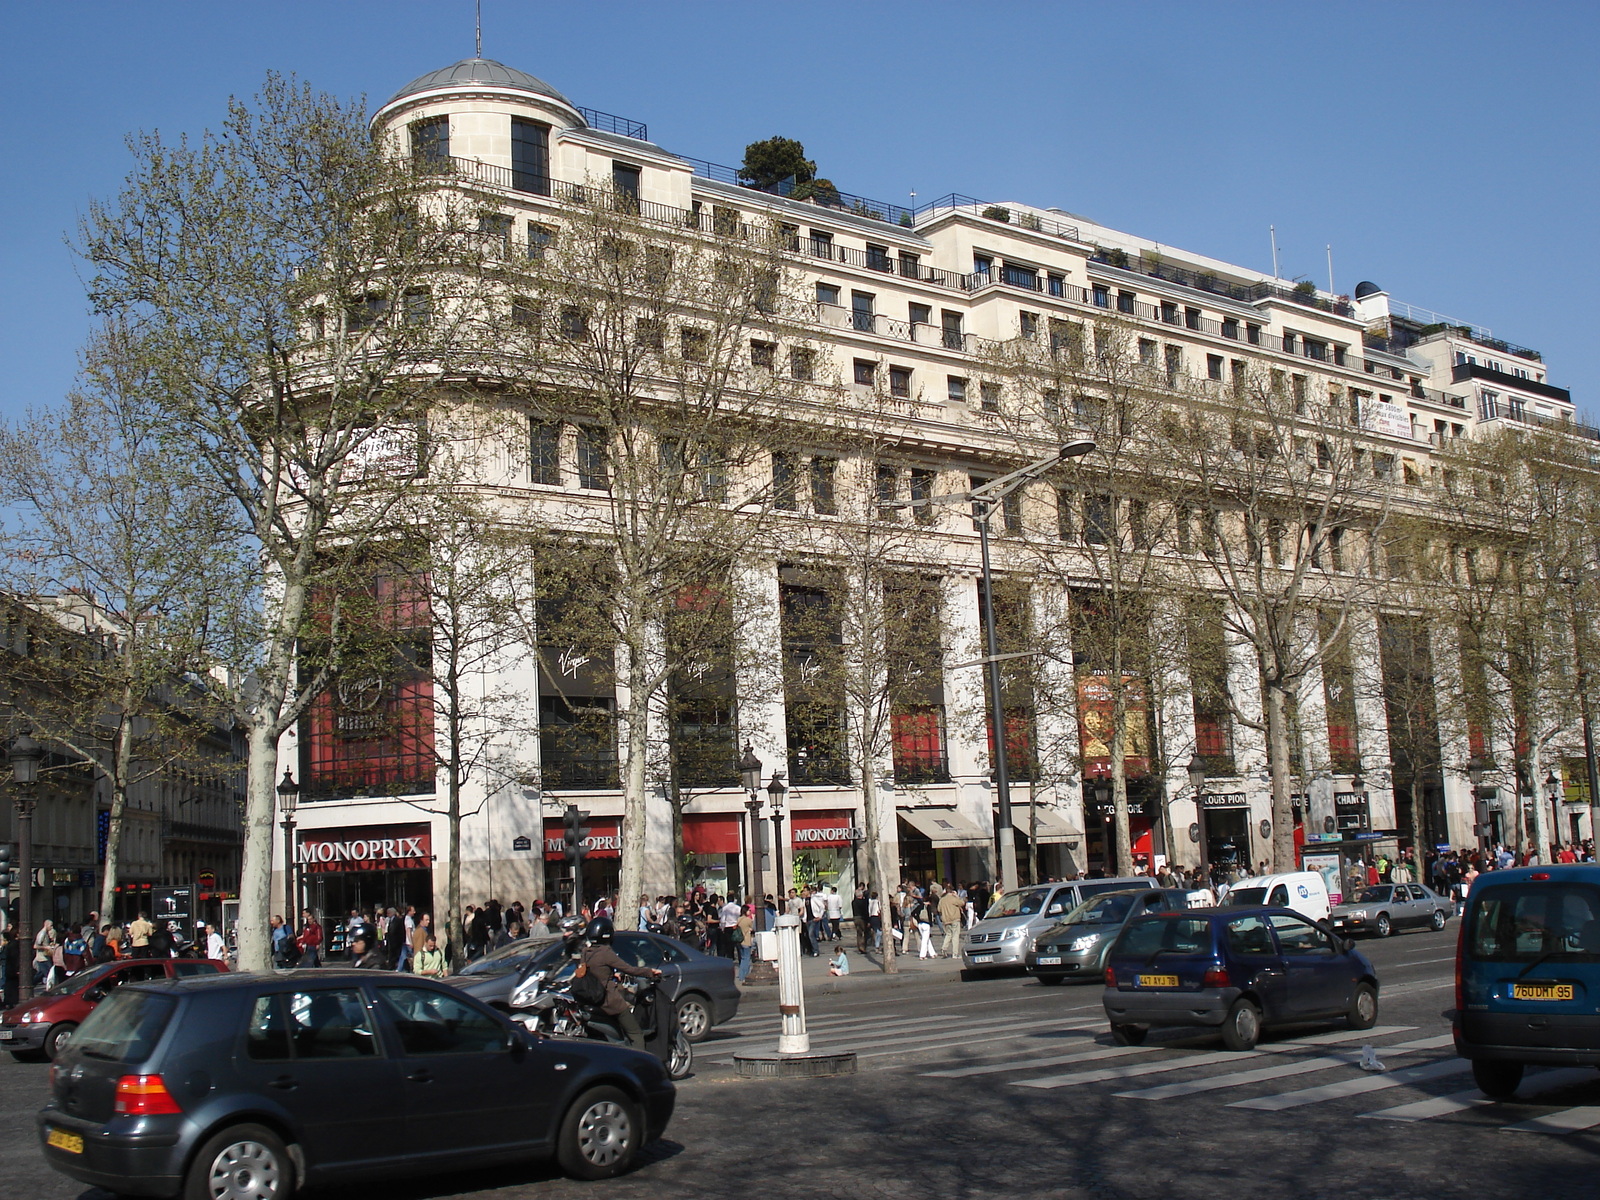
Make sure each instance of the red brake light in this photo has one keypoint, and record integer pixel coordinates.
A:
(1216, 977)
(144, 1096)
(1540, 875)
(1111, 977)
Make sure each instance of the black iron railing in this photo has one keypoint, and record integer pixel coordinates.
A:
(610, 123)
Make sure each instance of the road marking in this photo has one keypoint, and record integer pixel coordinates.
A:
(1441, 1106)
(1215, 1083)
(1568, 1120)
(1201, 1060)
(1355, 1087)
(844, 1038)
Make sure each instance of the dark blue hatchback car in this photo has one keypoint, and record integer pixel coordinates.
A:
(245, 1087)
(1239, 970)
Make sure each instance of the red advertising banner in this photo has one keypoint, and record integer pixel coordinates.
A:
(366, 848)
(604, 839)
(713, 833)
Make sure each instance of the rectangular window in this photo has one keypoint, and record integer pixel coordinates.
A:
(823, 498)
(1252, 334)
(574, 323)
(900, 382)
(1214, 367)
(1058, 285)
(524, 313)
(694, 344)
(1017, 275)
(866, 372)
(430, 142)
(888, 491)
(1028, 324)
(724, 221)
(713, 474)
(785, 495)
(544, 452)
(530, 157)
(1169, 313)
(956, 389)
(910, 265)
(1066, 502)
(593, 468)
(1191, 318)
(1125, 301)
(495, 230)
(1100, 296)
(625, 179)
(1288, 343)
(917, 734)
(861, 318)
(878, 258)
(989, 397)
(1147, 352)
(539, 239)
(651, 334)
(983, 267)
(417, 306)
(1174, 356)
(821, 244)
(763, 355)
(1011, 512)
(1099, 519)
(1230, 327)
(828, 293)
(577, 741)
(950, 326)
(921, 490)
(802, 364)
(367, 312)
(1298, 385)
(921, 314)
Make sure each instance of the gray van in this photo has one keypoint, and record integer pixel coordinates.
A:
(1007, 931)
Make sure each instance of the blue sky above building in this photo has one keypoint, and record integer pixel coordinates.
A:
(1446, 151)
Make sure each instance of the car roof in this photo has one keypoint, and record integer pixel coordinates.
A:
(1558, 872)
(241, 980)
(1242, 910)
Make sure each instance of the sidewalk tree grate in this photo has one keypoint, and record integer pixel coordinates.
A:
(794, 1066)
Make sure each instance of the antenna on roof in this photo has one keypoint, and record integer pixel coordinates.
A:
(477, 27)
(1272, 233)
(1331, 292)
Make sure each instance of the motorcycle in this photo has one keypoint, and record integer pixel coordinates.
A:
(543, 1006)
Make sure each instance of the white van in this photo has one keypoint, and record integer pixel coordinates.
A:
(1306, 892)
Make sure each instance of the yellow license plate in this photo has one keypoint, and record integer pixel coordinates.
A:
(1158, 981)
(1541, 991)
(62, 1140)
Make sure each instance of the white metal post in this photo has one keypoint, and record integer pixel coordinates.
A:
(791, 991)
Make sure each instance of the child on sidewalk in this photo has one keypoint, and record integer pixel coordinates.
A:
(839, 964)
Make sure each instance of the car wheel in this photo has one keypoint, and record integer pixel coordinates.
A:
(1241, 1030)
(246, 1162)
(1363, 1011)
(1436, 923)
(1381, 927)
(694, 1017)
(1050, 980)
(600, 1135)
(1128, 1035)
(1497, 1080)
(56, 1039)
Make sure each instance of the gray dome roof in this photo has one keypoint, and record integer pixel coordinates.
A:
(478, 70)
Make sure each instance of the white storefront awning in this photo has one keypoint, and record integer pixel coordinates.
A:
(1048, 826)
(944, 827)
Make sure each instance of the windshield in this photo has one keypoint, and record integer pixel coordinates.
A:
(73, 982)
(1169, 935)
(126, 1027)
(1524, 922)
(506, 959)
(1013, 904)
(1375, 896)
(1248, 896)
(1111, 909)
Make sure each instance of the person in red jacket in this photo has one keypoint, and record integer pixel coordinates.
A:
(310, 940)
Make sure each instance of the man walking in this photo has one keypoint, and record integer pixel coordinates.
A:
(860, 914)
(139, 933)
(952, 912)
(835, 910)
(819, 918)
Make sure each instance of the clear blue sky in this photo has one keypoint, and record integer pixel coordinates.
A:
(1446, 150)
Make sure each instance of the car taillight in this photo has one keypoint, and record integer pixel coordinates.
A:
(144, 1096)
(1111, 977)
(1540, 875)
(1216, 977)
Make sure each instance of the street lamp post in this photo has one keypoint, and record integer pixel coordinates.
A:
(1552, 787)
(985, 500)
(761, 971)
(1476, 769)
(25, 755)
(288, 799)
(1197, 780)
(775, 793)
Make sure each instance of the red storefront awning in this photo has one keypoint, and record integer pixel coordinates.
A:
(603, 841)
(713, 833)
(824, 827)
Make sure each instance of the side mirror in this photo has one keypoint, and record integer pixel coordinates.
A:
(1055, 910)
(1347, 945)
(95, 994)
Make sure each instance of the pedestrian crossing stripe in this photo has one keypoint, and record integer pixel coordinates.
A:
(1356, 1087)
(1443, 1106)
(1213, 1083)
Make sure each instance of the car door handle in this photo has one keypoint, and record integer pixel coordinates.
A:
(286, 1082)
(420, 1077)
(1269, 973)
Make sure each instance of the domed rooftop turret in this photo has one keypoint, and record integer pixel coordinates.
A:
(483, 71)
(1366, 288)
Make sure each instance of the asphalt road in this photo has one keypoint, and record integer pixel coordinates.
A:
(1000, 1088)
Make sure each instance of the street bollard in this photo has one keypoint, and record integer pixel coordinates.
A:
(793, 1039)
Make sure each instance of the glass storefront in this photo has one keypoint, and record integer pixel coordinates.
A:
(365, 867)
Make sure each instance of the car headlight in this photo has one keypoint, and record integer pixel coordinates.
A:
(1085, 942)
(1358, 913)
(29, 1017)
(1012, 935)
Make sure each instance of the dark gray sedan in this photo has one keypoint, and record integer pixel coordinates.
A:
(1076, 948)
(1390, 906)
(707, 995)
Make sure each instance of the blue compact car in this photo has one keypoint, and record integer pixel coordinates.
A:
(1237, 970)
(1528, 973)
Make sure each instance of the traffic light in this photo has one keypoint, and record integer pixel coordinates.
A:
(6, 881)
(573, 850)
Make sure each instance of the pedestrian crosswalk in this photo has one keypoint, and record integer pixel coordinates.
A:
(1044, 1051)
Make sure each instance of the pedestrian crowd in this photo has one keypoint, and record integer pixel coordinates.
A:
(60, 952)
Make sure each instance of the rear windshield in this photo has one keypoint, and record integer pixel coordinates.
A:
(1170, 935)
(1243, 896)
(1528, 922)
(1012, 904)
(125, 1027)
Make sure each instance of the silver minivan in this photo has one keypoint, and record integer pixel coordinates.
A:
(1007, 931)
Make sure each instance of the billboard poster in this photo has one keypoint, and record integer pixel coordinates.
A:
(1326, 865)
(1096, 703)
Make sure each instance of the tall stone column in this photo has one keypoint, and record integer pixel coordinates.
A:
(966, 707)
(1172, 740)
(758, 678)
(1055, 701)
(1372, 717)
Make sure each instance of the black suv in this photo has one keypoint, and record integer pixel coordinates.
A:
(250, 1086)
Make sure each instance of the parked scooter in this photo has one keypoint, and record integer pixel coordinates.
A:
(546, 1007)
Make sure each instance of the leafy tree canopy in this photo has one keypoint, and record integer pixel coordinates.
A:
(776, 159)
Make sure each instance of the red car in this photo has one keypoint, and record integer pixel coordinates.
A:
(38, 1029)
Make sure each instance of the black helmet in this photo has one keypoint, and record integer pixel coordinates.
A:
(600, 931)
(570, 925)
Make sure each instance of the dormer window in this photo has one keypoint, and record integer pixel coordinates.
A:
(530, 157)
(430, 141)
(625, 183)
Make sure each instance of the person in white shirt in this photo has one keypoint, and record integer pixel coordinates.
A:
(835, 909)
(728, 921)
(819, 921)
(215, 947)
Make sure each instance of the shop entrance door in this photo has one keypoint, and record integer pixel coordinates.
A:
(1227, 839)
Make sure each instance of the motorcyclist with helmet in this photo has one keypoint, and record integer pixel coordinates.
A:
(603, 962)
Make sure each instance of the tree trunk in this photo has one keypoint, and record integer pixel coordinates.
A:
(255, 874)
(1119, 770)
(634, 800)
(455, 936)
(879, 872)
(1277, 704)
(119, 804)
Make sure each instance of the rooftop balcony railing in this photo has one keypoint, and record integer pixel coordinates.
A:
(609, 123)
(1502, 410)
